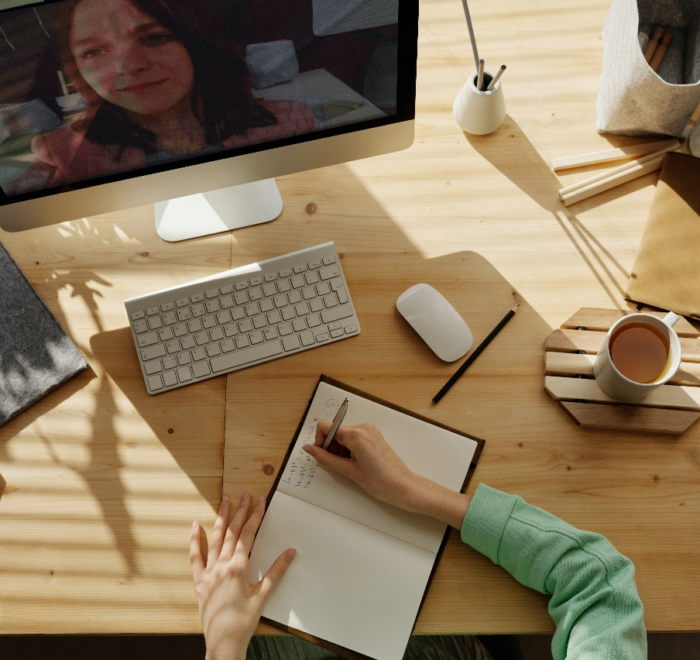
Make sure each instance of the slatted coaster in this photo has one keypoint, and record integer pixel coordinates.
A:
(569, 355)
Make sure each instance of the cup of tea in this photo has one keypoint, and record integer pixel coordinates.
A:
(639, 353)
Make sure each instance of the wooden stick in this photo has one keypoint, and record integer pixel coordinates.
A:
(660, 52)
(673, 145)
(629, 174)
(597, 157)
(653, 43)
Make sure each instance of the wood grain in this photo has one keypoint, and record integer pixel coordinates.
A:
(100, 497)
(639, 419)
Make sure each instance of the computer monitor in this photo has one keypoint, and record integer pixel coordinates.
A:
(110, 104)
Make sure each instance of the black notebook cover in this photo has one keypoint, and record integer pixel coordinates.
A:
(36, 355)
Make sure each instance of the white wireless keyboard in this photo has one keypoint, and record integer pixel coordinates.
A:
(241, 317)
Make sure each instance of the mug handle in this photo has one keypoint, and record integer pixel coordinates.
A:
(670, 319)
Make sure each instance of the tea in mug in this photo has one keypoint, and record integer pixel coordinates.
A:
(640, 352)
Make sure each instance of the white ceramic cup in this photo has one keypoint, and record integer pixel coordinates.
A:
(477, 112)
(619, 387)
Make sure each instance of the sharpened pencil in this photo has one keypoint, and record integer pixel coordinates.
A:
(496, 78)
(475, 354)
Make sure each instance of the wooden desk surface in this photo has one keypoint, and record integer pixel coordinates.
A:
(104, 481)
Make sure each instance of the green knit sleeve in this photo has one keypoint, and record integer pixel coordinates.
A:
(594, 601)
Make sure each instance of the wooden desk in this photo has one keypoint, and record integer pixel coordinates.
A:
(103, 481)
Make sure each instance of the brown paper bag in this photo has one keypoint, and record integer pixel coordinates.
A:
(666, 273)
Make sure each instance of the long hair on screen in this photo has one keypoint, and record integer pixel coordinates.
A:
(221, 98)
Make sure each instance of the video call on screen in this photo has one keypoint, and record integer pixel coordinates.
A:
(94, 88)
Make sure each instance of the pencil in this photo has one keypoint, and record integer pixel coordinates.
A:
(475, 354)
(480, 78)
(496, 78)
(471, 33)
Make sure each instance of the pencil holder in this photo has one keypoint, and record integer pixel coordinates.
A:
(633, 98)
(477, 112)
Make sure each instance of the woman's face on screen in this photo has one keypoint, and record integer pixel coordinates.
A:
(129, 58)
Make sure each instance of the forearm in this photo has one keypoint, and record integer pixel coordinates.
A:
(430, 498)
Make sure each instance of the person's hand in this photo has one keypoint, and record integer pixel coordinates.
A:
(362, 454)
(230, 605)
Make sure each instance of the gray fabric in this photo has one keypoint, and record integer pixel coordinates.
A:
(420, 647)
(36, 356)
(633, 99)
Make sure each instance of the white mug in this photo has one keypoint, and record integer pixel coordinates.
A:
(619, 387)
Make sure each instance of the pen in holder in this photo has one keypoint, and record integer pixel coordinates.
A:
(480, 112)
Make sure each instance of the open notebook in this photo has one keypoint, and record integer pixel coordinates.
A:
(362, 567)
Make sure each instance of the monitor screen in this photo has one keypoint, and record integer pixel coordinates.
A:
(99, 91)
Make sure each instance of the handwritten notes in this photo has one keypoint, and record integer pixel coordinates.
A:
(301, 470)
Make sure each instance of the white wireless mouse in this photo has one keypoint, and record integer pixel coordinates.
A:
(436, 321)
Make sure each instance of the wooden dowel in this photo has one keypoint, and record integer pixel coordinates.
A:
(629, 174)
(660, 51)
(653, 43)
(674, 144)
(609, 155)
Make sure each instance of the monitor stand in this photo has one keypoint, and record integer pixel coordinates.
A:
(219, 210)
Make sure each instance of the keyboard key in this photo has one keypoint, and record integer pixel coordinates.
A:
(226, 289)
(274, 317)
(243, 284)
(154, 322)
(169, 362)
(270, 277)
(231, 329)
(299, 325)
(198, 310)
(241, 298)
(140, 326)
(169, 378)
(287, 272)
(201, 369)
(336, 325)
(256, 337)
(284, 329)
(323, 288)
(213, 305)
(155, 383)
(226, 302)
(316, 305)
(169, 318)
(315, 264)
(291, 342)
(302, 309)
(298, 281)
(217, 334)
(223, 317)
(212, 293)
(327, 261)
(197, 298)
(164, 334)
(343, 296)
(350, 328)
(256, 281)
(180, 329)
(237, 314)
(202, 338)
(187, 342)
(184, 358)
(153, 367)
(280, 301)
(245, 325)
(294, 297)
(331, 300)
(307, 338)
(313, 320)
(300, 268)
(252, 309)
(308, 292)
(288, 313)
(152, 352)
(184, 374)
(182, 302)
(311, 277)
(173, 346)
(284, 286)
(152, 310)
(199, 354)
(270, 333)
(252, 354)
(269, 290)
(195, 325)
(213, 350)
(266, 305)
(259, 321)
(135, 316)
(227, 345)
(324, 336)
(337, 313)
(329, 272)
(209, 322)
(242, 341)
(166, 307)
(337, 333)
(184, 314)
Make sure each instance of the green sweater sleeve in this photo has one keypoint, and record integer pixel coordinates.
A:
(594, 601)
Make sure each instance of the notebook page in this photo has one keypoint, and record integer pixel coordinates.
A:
(428, 450)
(348, 584)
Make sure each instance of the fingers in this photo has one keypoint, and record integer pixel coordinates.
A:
(323, 426)
(234, 529)
(344, 466)
(217, 535)
(274, 575)
(245, 539)
(196, 558)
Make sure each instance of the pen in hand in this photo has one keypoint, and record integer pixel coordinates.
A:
(337, 421)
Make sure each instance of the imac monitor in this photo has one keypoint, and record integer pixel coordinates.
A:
(194, 105)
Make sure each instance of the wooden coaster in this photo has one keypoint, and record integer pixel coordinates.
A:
(569, 355)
